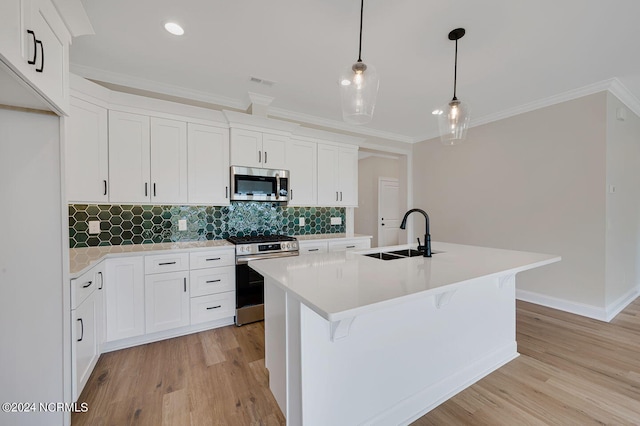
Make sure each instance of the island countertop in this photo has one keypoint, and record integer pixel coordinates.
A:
(342, 285)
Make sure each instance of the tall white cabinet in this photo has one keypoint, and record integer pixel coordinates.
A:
(302, 162)
(208, 164)
(337, 175)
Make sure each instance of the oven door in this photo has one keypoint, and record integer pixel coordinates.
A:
(249, 287)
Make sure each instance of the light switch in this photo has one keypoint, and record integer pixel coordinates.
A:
(301, 221)
(182, 225)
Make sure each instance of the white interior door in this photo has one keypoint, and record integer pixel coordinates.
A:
(389, 211)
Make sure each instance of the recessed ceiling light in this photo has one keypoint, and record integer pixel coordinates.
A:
(174, 28)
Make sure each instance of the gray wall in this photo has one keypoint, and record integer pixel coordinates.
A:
(533, 182)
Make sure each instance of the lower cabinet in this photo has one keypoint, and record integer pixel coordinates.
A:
(213, 307)
(333, 245)
(166, 301)
(124, 297)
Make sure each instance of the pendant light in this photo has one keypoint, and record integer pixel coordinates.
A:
(453, 118)
(359, 87)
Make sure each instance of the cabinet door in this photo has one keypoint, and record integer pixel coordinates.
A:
(302, 166)
(246, 148)
(11, 30)
(87, 162)
(124, 297)
(348, 177)
(208, 168)
(328, 192)
(167, 301)
(274, 148)
(168, 161)
(101, 323)
(85, 347)
(129, 158)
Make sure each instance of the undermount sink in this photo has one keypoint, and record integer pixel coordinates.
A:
(398, 254)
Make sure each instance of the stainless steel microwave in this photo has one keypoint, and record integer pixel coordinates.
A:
(254, 184)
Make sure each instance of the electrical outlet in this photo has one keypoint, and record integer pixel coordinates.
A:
(182, 225)
(94, 227)
(301, 221)
(336, 221)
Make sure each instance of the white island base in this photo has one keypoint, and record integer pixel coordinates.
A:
(387, 362)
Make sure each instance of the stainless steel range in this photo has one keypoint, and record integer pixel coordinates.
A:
(250, 284)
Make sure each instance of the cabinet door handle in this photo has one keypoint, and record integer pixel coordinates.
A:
(146, 189)
(291, 192)
(166, 263)
(185, 284)
(105, 187)
(259, 156)
(101, 281)
(226, 192)
(81, 329)
(154, 189)
(214, 307)
(313, 249)
(340, 195)
(35, 48)
(265, 157)
(213, 281)
(351, 246)
(88, 284)
(213, 258)
(41, 56)
(336, 195)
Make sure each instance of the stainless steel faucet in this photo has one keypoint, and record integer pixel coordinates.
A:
(426, 248)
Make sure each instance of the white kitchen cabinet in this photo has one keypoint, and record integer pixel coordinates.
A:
(167, 301)
(124, 297)
(86, 323)
(213, 283)
(337, 175)
(34, 44)
(208, 164)
(129, 157)
(349, 244)
(312, 247)
(87, 153)
(213, 307)
(257, 149)
(168, 161)
(147, 159)
(302, 165)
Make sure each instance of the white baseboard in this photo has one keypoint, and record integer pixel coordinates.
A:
(442, 391)
(596, 312)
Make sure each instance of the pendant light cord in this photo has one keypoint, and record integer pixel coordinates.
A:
(360, 46)
(455, 73)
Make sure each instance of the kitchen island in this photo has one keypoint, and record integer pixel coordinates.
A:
(351, 339)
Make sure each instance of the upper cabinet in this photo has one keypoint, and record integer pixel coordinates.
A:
(208, 169)
(257, 149)
(147, 159)
(34, 46)
(302, 164)
(337, 175)
(87, 153)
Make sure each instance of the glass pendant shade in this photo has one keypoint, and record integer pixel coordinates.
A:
(358, 90)
(453, 121)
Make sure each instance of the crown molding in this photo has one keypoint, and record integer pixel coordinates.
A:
(153, 86)
(613, 85)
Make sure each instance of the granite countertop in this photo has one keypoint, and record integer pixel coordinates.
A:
(345, 284)
(83, 258)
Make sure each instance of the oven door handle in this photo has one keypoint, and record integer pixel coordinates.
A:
(245, 259)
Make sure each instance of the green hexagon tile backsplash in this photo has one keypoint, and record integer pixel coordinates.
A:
(133, 224)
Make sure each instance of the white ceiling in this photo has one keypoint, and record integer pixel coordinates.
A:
(515, 53)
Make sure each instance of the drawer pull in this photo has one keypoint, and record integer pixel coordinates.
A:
(88, 284)
(101, 281)
(213, 258)
(214, 307)
(166, 263)
(213, 281)
(313, 249)
(185, 285)
(351, 246)
(81, 329)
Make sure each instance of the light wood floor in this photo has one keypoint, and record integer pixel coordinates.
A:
(572, 371)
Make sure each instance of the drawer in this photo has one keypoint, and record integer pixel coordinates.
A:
(212, 258)
(84, 285)
(213, 307)
(212, 280)
(160, 263)
(359, 244)
(313, 247)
